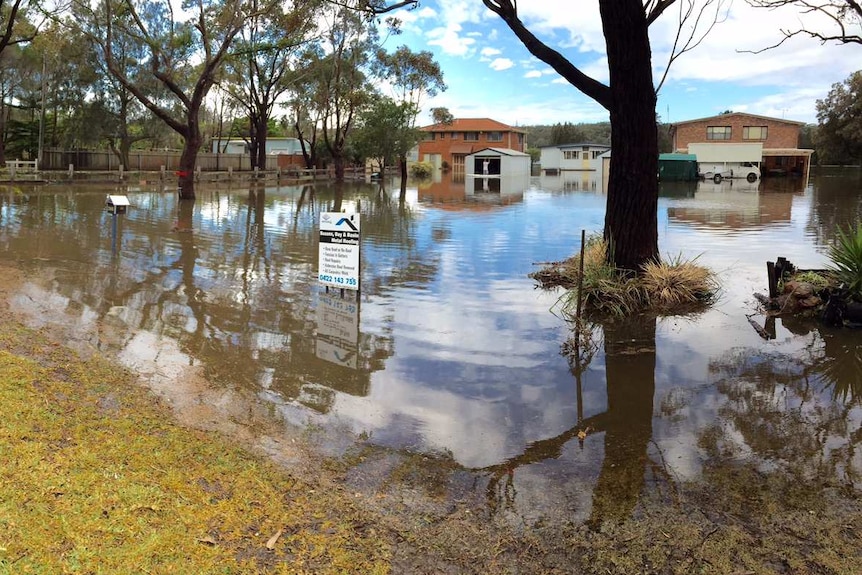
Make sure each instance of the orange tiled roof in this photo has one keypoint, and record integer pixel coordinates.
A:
(472, 125)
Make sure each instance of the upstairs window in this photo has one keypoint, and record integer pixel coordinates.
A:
(754, 133)
(571, 155)
(718, 133)
(495, 136)
(471, 136)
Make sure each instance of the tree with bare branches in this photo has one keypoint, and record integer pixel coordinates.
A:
(631, 222)
(843, 16)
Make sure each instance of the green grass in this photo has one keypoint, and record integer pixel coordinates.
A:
(96, 479)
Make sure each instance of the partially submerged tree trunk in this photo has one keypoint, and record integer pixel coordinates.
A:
(402, 162)
(338, 165)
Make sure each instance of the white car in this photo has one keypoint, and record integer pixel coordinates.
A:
(717, 173)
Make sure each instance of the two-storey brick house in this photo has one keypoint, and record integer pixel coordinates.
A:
(779, 138)
(451, 143)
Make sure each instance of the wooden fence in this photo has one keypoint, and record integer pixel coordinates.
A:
(147, 161)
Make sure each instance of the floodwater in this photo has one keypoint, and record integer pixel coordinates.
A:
(449, 351)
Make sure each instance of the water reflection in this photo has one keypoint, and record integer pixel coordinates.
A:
(625, 426)
(449, 350)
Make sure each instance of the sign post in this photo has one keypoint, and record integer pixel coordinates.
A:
(338, 255)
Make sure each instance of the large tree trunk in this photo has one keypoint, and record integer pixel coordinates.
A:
(338, 163)
(188, 162)
(402, 162)
(631, 225)
(261, 132)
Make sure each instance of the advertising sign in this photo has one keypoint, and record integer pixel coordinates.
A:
(338, 264)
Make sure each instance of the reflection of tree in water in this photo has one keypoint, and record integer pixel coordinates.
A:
(630, 359)
(789, 413)
(832, 358)
(835, 203)
(235, 294)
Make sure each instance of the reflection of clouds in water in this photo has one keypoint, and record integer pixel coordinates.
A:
(465, 377)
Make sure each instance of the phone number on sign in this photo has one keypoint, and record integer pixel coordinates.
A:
(341, 280)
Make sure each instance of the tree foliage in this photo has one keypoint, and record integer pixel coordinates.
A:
(413, 77)
(839, 114)
(442, 116)
(182, 55)
(385, 132)
(262, 64)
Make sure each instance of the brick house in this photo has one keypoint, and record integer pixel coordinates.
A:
(451, 143)
(780, 139)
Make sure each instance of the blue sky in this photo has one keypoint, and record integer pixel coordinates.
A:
(490, 74)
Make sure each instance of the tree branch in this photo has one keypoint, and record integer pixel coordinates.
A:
(508, 11)
(842, 12)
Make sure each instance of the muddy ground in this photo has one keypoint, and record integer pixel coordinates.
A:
(734, 520)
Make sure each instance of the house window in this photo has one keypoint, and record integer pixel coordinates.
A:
(495, 136)
(454, 135)
(471, 136)
(596, 154)
(718, 133)
(571, 154)
(754, 133)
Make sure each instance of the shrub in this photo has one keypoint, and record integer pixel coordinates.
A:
(421, 170)
(846, 257)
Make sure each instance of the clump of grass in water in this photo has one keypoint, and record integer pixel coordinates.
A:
(665, 287)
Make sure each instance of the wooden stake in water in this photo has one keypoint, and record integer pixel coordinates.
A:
(580, 295)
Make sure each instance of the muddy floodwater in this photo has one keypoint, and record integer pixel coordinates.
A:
(449, 352)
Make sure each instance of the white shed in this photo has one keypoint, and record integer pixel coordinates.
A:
(497, 163)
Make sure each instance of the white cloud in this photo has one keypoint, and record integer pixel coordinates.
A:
(500, 64)
(488, 52)
(448, 39)
(533, 74)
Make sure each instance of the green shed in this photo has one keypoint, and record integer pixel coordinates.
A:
(677, 167)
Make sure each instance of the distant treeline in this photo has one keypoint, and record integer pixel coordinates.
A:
(568, 133)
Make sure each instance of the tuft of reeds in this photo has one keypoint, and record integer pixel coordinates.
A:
(673, 286)
(678, 283)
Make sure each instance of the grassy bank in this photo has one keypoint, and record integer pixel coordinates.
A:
(96, 479)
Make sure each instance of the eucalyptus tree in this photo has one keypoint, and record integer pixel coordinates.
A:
(16, 31)
(385, 132)
(183, 55)
(413, 76)
(631, 219)
(14, 21)
(263, 61)
(308, 103)
(839, 114)
(335, 86)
